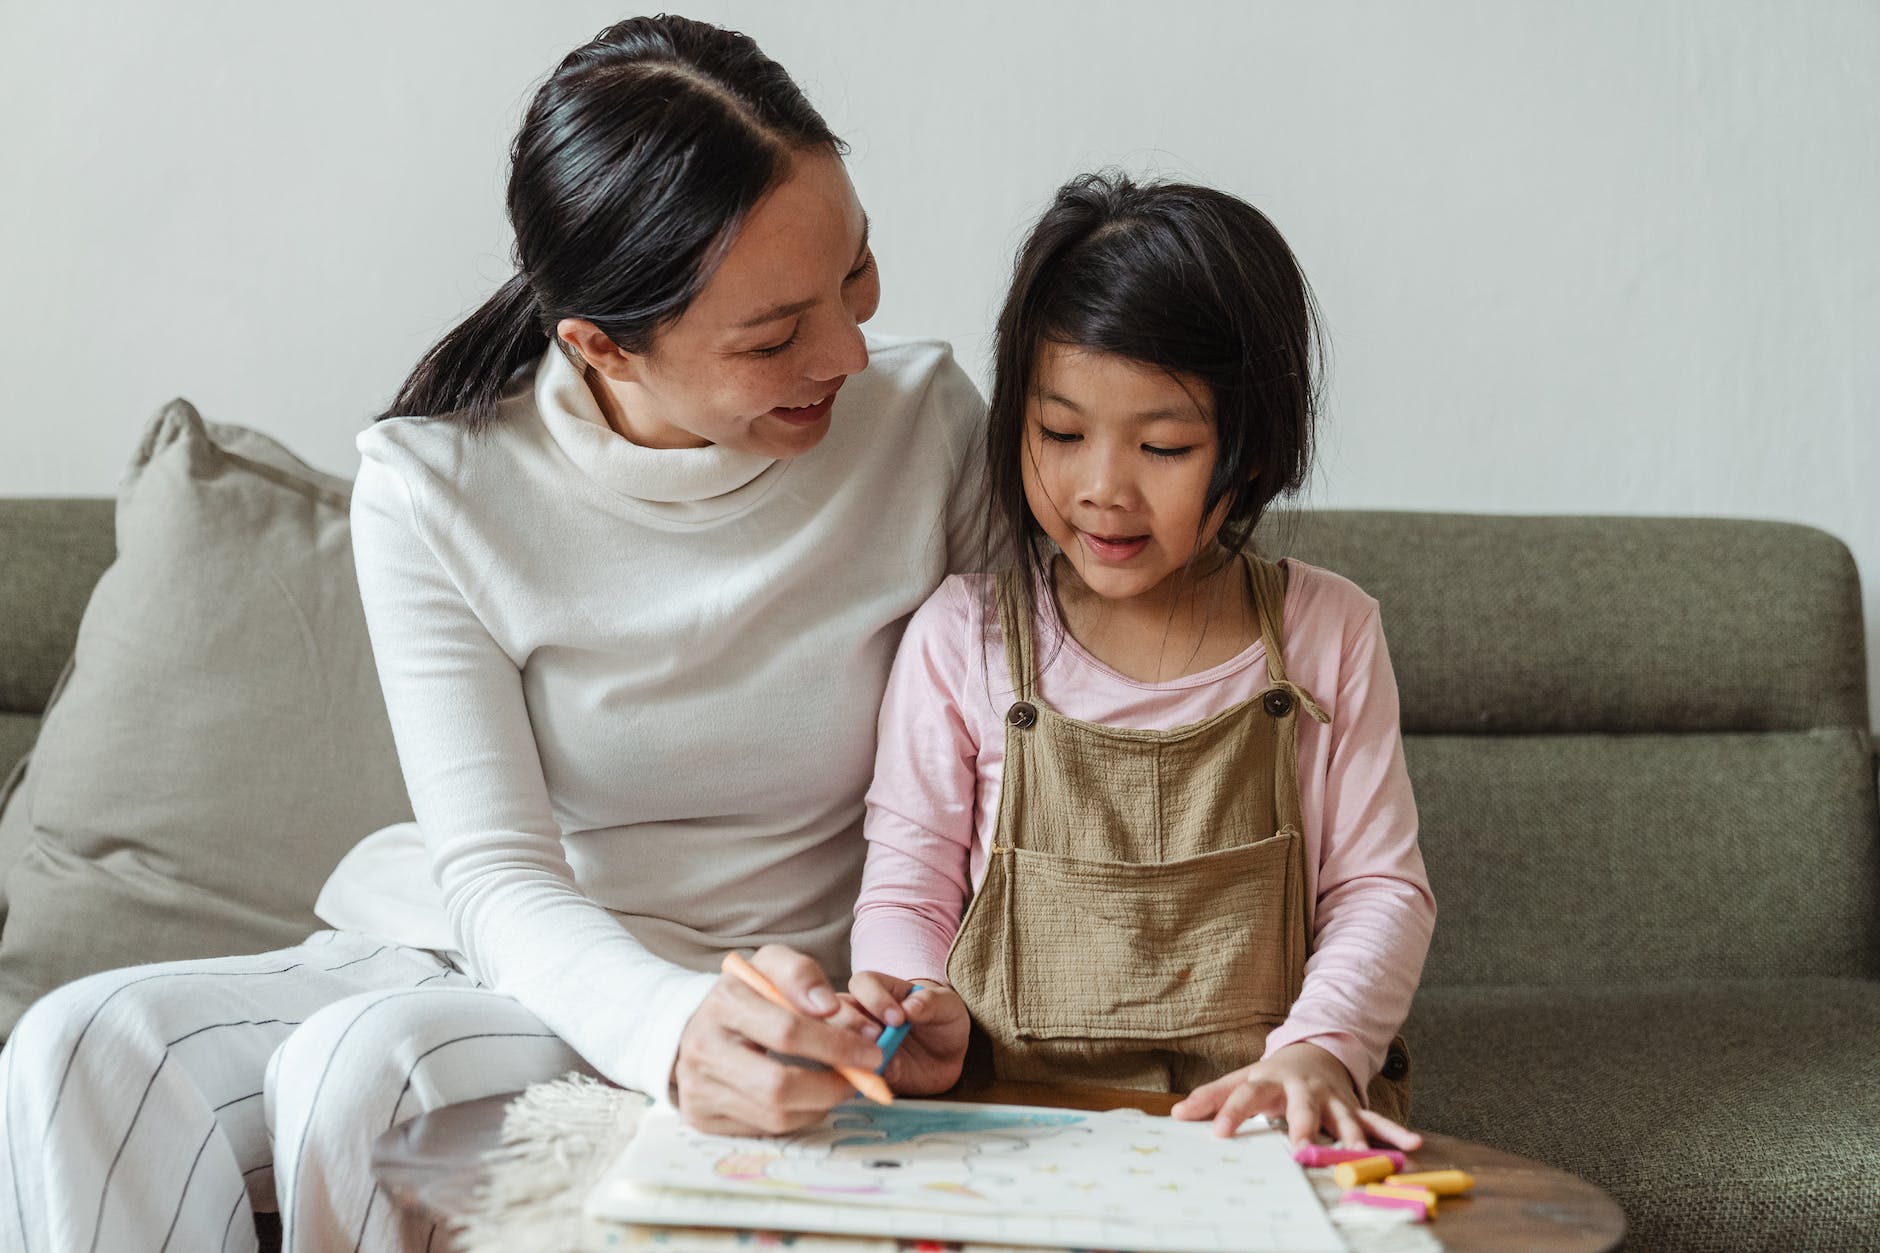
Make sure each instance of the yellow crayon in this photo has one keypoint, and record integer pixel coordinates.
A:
(1364, 1170)
(1441, 1182)
(1421, 1195)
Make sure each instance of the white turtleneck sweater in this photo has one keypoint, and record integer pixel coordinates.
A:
(634, 690)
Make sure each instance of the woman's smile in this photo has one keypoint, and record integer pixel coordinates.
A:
(810, 414)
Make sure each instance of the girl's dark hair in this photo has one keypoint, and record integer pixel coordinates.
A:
(1183, 278)
(634, 166)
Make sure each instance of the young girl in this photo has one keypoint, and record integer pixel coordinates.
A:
(1140, 807)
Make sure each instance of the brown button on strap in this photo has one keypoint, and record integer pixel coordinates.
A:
(1022, 715)
(1284, 697)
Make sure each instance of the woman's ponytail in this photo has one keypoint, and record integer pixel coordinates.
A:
(635, 163)
(466, 371)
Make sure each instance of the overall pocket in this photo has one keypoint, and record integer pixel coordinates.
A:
(1116, 950)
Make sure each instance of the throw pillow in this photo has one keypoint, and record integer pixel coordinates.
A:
(221, 740)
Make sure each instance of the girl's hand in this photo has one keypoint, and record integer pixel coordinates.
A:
(1308, 1087)
(929, 1060)
(728, 1083)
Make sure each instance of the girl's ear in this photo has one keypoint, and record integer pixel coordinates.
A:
(593, 347)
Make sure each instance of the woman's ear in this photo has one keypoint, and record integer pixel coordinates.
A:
(599, 353)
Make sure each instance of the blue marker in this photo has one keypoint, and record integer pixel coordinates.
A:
(891, 1037)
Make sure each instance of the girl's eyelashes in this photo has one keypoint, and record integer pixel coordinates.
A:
(1154, 450)
(854, 276)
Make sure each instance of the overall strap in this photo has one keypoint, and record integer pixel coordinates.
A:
(1269, 598)
(1015, 628)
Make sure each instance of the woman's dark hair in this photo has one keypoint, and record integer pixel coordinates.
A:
(1182, 278)
(634, 166)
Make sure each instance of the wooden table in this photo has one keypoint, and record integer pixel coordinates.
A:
(431, 1165)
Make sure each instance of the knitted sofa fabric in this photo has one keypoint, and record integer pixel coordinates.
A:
(51, 553)
(1640, 753)
(1646, 790)
(1582, 859)
(1722, 1114)
(1503, 625)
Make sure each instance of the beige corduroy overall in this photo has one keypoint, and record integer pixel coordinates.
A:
(1143, 919)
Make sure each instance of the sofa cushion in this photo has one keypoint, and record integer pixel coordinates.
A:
(51, 553)
(1585, 859)
(1601, 624)
(1736, 1114)
(221, 741)
(15, 831)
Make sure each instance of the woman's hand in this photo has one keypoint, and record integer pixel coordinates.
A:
(1308, 1087)
(726, 1079)
(930, 1058)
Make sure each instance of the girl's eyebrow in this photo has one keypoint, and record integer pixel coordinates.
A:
(1166, 413)
(795, 307)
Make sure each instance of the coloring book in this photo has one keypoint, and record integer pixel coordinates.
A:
(989, 1174)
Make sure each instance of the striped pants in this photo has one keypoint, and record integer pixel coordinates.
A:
(161, 1107)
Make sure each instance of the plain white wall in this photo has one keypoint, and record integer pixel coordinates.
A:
(1605, 257)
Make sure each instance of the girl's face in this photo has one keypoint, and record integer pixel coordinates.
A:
(1116, 463)
(755, 361)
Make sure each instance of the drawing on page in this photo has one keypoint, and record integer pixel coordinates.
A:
(899, 1150)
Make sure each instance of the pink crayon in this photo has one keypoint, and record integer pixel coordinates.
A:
(1325, 1155)
(1418, 1211)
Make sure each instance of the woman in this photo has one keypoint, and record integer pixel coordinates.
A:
(633, 596)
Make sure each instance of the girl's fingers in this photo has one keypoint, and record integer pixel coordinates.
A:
(851, 1016)
(1394, 1134)
(1302, 1114)
(1345, 1126)
(1199, 1104)
(920, 1000)
(1249, 1097)
(1205, 1100)
(930, 1004)
(881, 995)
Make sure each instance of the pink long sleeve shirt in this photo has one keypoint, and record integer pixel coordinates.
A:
(933, 806)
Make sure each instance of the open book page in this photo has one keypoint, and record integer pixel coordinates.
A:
(997, 1174)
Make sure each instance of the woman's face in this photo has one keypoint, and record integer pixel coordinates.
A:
(755, 361)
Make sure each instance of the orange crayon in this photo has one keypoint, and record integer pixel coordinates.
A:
(1364, 1170)
(1441, 1182)
(872, 1086)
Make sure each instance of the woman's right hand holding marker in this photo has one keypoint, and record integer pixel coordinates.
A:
(931, 1057)
(728, 1078)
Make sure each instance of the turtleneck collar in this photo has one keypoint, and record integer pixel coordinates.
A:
(679, 481)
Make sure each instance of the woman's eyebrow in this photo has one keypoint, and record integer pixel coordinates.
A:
(795, 307)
